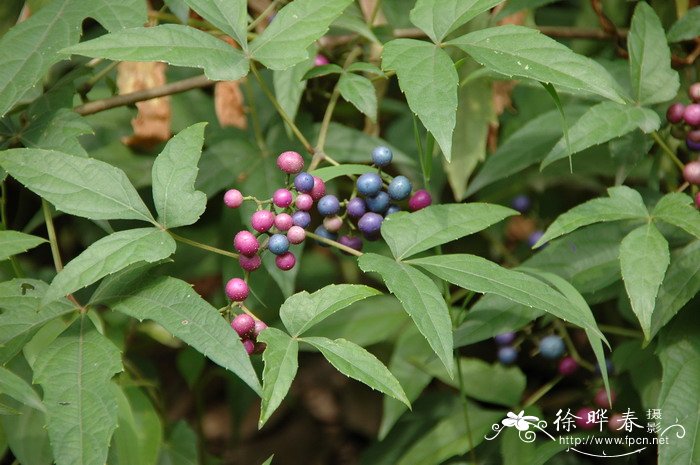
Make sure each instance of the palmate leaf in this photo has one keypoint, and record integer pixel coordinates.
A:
(437, 18)
(687, 27)
(359, 91)
(231, 16)
(15, 242)
(677, 209)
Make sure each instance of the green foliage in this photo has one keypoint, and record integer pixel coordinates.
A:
(281, 366)
(15, 242)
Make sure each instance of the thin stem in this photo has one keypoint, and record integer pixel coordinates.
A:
(199, 245)
(58, 263)
(465, 409)
(335, 244)
(561, 329)
(666, 149)
(87, 87)
(538, 394)
(264, 15)
(617, 330)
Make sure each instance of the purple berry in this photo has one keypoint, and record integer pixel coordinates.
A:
(353, 242)
(243, 324)
(378, 203)
(237, 290)
(259, 327)
(246, 243)
(233, 198)
(583, 418)
(286, 261)
(304, 202)
(328, 205)
(249, 263)
(323, 232)
(521, 203)
(697, 200)
(301, 219)
(282, 198)
(249, 346)
(692, 145)
(290, 162)
(262, 220)
(381, 156)
(369, 184)
(304, 182)
(320, 60)
(356, 207)
(601, 398)
(691, 172)
(534, 237)
(507, 355)
(552, 347)
(319, 189)
(420, 200)
(392, 209)
(399, 188)
(296, 235)
(694, 92)
(278, 244)
(691, 115)
(674, 114)
(567, 366)
(504, 339)
(370, 223)
(283, 221)
(333, 223)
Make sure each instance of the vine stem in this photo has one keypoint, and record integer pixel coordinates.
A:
(335, 244)
(263, 15)
(666, 149)
(561, 329)
(538, 394)
(199, 245)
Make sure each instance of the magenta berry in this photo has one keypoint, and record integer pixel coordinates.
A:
(286, 261)
(259, 327)
(296, 235)
(567, 366)
(691, 172)
(249, 346)
(320, 60)
(262, 220)
(243, 324)
(419, 200)
(250, 263)
(237, 290)
(674, 114)
(694, 92)
(304, 202)
(697, 200)
(282, 198)
(246, 243)
(601, 398)
(616, 422)
(333, 223)
(319, 189)
(233, 198)
(583, 421)
(284, 221)
(691, 115)
(290, 162)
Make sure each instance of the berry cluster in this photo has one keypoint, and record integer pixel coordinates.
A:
(685, 120)
(248, 328)
(550, 347)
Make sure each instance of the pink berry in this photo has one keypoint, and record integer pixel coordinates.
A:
(419, 200)
(237, 290)
(691, 172)
(290, 162)
(304, 202)
(567, 366)
(282, 198)
(233, 198)
(601, 398)
(616, 422)
(582, 422)
(296, 235)
(694, 92)
(250, 263)
(262, 220)
(243, 324)
(283, 221)
(249, 346)
(697, 200)
(674, 114)
(246, 243)
(259, 348)
(259, 327)
(286, 261)
(320, 60)
(332, 223)
(691, 115)
(319, 189)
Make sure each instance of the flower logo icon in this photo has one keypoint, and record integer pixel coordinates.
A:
(520, 421)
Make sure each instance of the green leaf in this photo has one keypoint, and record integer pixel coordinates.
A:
(686, 28)
(30, 423)
(428, 78)
(518, 51)
(420, 298)
(677, 209)
(410, 233)
(681, 283)
(481, 275)
(281, 365)
(601, 123)
(303, 310)
(323, 70)
(174, 173)
(109, 255)
(78, 186)
(231, 16)
(623, 203)
(139, 437)
(21, 311)
(644, 257)
(355, 362)
(359, 91)
(440, 17)
(30, 48)
(17, 388)
(353, 20)
(679, 399)
(289, 86)
(331, 172)
(363, 67)
(296, 26)
(174, 305)
(75, 372)
(171, 43)
(269, 460)
(181, 447)
(653, 79)
(15, 242)
(55, 130)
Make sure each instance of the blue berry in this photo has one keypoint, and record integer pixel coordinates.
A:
(323, 232)
(378, 203)
(381, 156)
(370, 223)
(328, 205)
(278, 244)
(356, 207)
(304, 182)
(534, 237)
(369, 184)
(392, 209)
(521, 203)
(507, 355)
(552, 347)
(301, 219)
(504, 338)
(400, 188)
